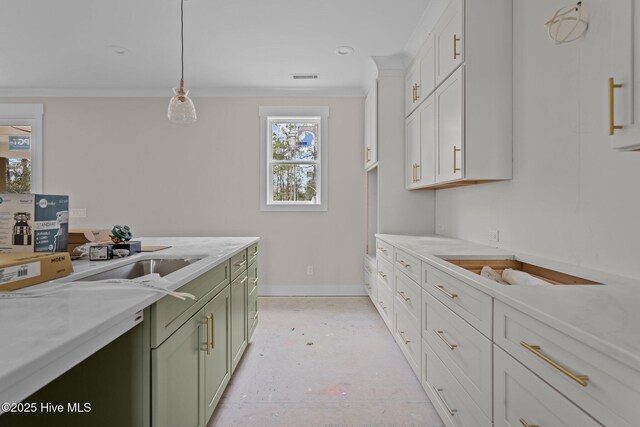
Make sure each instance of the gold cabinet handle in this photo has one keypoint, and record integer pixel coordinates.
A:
(455, 151)
(414, 96)
(447, 293)
(241, 263)
(413, 172)
(456, 39)
(206, 320)
(367, 154)
(406, 341)
(212, 317)
(404, 296)
(535, 349)
(452, 412)
(612, 125)
(255, 316)
(404, 264)
(384, 276)
(382, 249)
(243, 281)
(254, 281)
(418, 176)
(526, 424)
(382, 306)
(440, 334)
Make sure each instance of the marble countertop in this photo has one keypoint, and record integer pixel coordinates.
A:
(45, 336)
(605, 317)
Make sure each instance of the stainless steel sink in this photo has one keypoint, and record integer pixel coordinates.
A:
(142, 268)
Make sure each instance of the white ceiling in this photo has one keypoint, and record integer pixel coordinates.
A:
(62, 47)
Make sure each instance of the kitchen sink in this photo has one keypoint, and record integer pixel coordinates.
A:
(141, 268)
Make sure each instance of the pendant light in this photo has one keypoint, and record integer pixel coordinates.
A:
(181, 108)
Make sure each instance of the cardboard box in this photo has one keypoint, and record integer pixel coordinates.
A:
(89, 235)
(19, 270)
(34, 222)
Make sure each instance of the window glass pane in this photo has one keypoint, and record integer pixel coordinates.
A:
(15, 159)
(294, 141)
(294, 183)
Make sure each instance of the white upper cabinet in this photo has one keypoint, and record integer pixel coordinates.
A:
(449, 40)
(465, 74)
(622, 86)
(371, 128)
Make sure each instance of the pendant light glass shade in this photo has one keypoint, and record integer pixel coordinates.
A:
(181, 108)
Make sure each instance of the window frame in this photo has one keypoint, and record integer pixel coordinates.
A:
(28, 115)
(293, 114)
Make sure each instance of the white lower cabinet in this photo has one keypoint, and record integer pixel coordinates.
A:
(523, 399)
(453, 404)
(407, 335)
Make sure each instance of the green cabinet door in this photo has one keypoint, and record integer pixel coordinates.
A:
(175, 373)
(217, 363)
(238, 317)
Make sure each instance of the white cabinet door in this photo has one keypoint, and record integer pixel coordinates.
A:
(623, 88)
(428, 67)
(449, 122)
(449, 40)
(371, 128)
(412, 88)
(412, 167)
(427, 172)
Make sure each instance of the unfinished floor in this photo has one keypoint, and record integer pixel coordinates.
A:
(328, 362)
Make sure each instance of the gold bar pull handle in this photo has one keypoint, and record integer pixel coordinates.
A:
(447, 293)
(456, 39)
(417, 92)
(368, 155)
(206, 320)
(612, 125)
(413, 172)
(212, 318)
(440, 334)
(455, 159)
(535, 349)
(418, 173)
(406, 341)
(526, 424)
(404, 296)
(452, 412)
(404, 264)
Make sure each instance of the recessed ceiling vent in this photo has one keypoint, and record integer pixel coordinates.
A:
(304, 76)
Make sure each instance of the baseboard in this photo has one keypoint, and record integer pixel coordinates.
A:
(311, 290)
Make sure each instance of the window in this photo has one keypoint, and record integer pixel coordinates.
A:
(293, 158)
(21, 148)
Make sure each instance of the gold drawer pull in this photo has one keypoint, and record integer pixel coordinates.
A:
(526, 424)
(404, 264)
(535, 349)
(367, 154)
(242, 281)
(441, 335)
(255, 316)
(612, 125)
(384, 276)
(406, 341)
(456, 39)
(452, 412)
(382, 306)
(254, 281)
(455, 164)
(212, 316)
(206, 321)
(447, 293)
(404, 296)
(382, 249)
(241, 263)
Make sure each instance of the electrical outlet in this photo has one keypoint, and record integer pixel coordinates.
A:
(309, 270)
(494, 236)
(78, 213)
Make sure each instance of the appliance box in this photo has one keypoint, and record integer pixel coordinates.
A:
(34, 222)
(19, 270)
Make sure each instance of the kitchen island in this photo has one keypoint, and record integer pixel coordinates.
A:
(46, 336)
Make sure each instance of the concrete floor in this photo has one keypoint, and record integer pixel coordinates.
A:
(328, 362)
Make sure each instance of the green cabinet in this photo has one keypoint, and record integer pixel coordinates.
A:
(239, 288)
(252, 297)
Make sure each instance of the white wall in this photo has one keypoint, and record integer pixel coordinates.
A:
(122, 160)
(572, 197)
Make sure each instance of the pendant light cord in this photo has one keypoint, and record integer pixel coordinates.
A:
(182, 39)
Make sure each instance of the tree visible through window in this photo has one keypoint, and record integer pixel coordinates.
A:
(294, 160)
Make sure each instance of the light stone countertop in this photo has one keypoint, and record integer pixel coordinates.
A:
(43, 337)
(604, 317)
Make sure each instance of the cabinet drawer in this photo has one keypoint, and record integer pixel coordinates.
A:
(385, 274)
(472, 305)
(611, 391)
(385, 303)
(521, 398)
(464, 350)
(408, 264)
(408, 294)
(370, 281)
(253, 276)
(407, 335)
(252, 253)
(384, 250)
(453, 404)
(169, 313)
(238, 263)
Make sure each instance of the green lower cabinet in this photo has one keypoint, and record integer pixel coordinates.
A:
(252, 298)
(176, 377)
(217, 361)
(238, 318)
